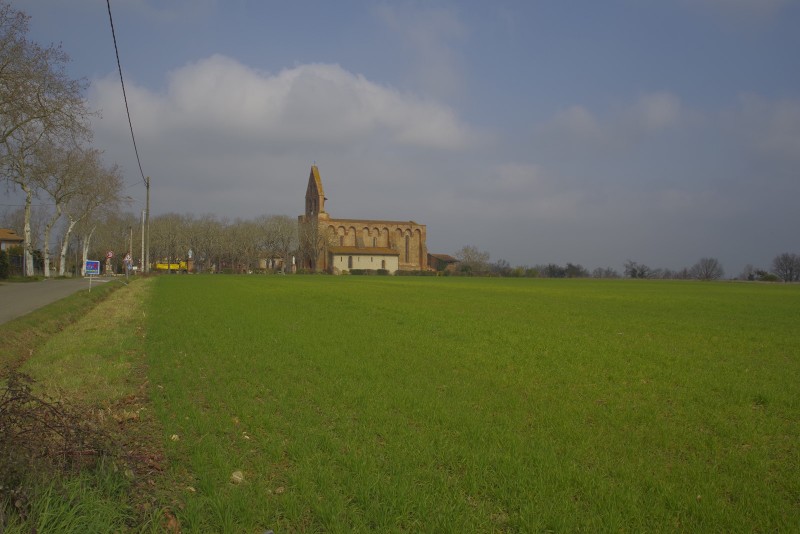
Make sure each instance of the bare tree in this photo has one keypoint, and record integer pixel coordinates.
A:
(96, 186)
(86, 231)
(787, 267)
(748, 273)
(168, 239)
(19, 168)
(280, 236)
(111, 231)
(58, 172)
(575, 271)
(37, 100)
(244, 244)
(35, 88)
(707, 269)
(472, 260)
(501, 268)
(551, 270)
(605, 272)
(205, 239)
(637, 270)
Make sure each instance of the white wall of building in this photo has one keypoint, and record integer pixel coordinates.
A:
(347, 262)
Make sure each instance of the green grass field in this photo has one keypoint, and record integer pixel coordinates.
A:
(477, 405)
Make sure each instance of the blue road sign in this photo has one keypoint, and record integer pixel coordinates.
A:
(92, 267)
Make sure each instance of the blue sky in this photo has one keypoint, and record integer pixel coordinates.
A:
(541, 131)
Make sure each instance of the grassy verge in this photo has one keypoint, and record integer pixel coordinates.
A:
(85, 354)
(445, 405)
(91, 361)
(23, 336)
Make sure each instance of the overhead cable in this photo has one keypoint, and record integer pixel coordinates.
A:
(124, 96)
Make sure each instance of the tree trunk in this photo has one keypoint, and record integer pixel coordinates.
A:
(64, 245)
(47, 229)
(28, 246)
(85, 252)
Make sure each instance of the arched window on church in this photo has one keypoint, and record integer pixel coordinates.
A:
(374, 241)
(408, 240)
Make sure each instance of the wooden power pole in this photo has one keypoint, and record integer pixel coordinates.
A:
(147, 225)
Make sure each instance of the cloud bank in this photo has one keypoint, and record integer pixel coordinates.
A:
(646, 177)
(317, 103)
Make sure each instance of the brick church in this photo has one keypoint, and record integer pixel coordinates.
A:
(337, 245)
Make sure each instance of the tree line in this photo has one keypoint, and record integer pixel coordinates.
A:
(45, 147)
(785, 267)
(267, 242)
(213, 244)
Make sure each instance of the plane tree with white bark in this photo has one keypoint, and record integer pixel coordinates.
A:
(38, 102)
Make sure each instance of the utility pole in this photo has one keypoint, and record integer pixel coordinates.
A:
(147, 224)
(141, 258)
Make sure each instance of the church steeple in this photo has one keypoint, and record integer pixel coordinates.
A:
(315, 195)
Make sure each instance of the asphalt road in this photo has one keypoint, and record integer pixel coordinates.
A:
(20, 298)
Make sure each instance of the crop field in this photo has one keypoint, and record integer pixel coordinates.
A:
(346, 404)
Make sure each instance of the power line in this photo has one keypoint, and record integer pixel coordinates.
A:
(124, 96)
(38, 205)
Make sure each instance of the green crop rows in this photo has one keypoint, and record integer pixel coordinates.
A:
(478, 405)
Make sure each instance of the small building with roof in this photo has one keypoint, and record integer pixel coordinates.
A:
(442, 262)
(9, 238)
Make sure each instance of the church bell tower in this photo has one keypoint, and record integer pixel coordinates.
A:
(315, 196)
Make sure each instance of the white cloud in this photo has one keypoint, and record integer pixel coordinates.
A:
(228, 139)
(220, 97)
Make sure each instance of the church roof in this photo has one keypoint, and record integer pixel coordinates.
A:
(373, 221)
(364, 251)
(314, 177)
